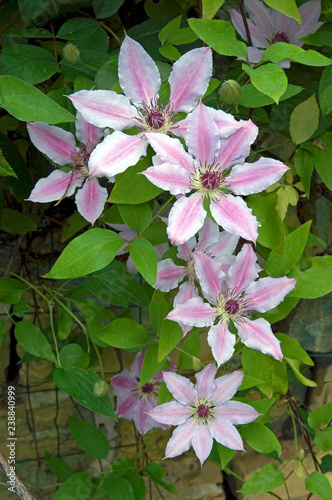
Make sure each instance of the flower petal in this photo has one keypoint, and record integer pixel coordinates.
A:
(186, 292)
(116, 153)
(189, 78)
(170, 150)
(236, 412)
(258, 37)
(86, 133)
(225, 122)
(267, 293)
(138, 73)
(205, 381)
(203, 135)
(202, 442)
(182, 389)
(104, 108)
(169, 177)
(258, 335)
(244, 270)
(185, 250)
(91, 199)
(225, 433)
(186, 218)
(261, 15)
(226, 387)
(232, 214)
(250, 178)
(235, 148)
(208, 234)
(209, 274)
(54, 186)
(172, 413)
(123, 382)
(168, 275)
(142, 419)
(195, 312)
(181, 439)
(126, 404)
(221, 341)
(56, 143)
(224, 246)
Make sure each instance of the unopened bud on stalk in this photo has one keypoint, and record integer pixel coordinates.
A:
(71, 53)
(100, 388)
(197, 364)
(230, 92)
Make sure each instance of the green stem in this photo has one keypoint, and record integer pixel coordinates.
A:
(50, 305)
(272, 147)
(162, 208)
(30, 285)
(229, 471)
(295, 430)
(99, 361)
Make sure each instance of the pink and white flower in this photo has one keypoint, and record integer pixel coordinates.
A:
(60, 146)
(140, 107)
(233, 298)
(203, 412)
(268, 26)
(134, 400)
(213, 169)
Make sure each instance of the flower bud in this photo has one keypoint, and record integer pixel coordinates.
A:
(100, 388)
(197, 364)
(230, 92)
(71, 53)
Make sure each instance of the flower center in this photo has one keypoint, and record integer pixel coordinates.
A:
(203, 411)
(280, 37)
(154, 117)
(231, 307)
(147, 388)
(210, 180)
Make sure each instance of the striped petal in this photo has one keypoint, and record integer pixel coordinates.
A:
(138, 73)
(169, 177)
(170, 150)
(226, 387)
(168, 275)
(126, 404)
(125, 381)
(244, 270)
(205, 381)
(261, 15)
(236, 413)
(267, 293)
(181, 439)
(195, 312)
(221, 341)
(202, 442)
(86, 133)
(234, 216)
(116, 153)
(142, 419)
(182, 389)
(258, 335)
(104, 108)
(53, 187)
(203, 135)
(56, 143)
(186, 218)
(209, 274)
(189, 78)
(91, 199)
(225, 433)
(224, 246)
(250, 178)
(208, 234)
(172, 413)
(236, 147)
(225, 122)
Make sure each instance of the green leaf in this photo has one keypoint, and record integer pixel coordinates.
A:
(170, 336)
(156, 233)
(159, 308)
(164, 395)
(210, 8)
(314, 282)
(132, 188)
(269, 79)
(282, 51)
(172, 27)
(106, 8)
(278, 265)
(271, 233)
(251, 98)
(267, 479)
(170, 52)
(106, 76)
(304, 166)
(65, 321)
(151, 365)
(287, 7)
(219, 35)
(117, 286)
(322, 157)
(78, 28)
(5, 168)
(318, 484)
(155, 472)
(319, 39)
(191, 346)
(304, 120)
(72, 355)
(326, 463)
(13, 221)
(146, 34)
(89, 438)
(144, 258)
(325, 91)
(281, 311)
(260, 438)
(320, 416)
(87, 66)
(323, 440)
(79, 384)
(121, 489)
(137, 217)
(33, 340)
(78, 486)
(295, 366)
(2, 330)
(87, 253)
(60, 468)
(291, 348)
(27, 103)
(123, 333)
(11, 290)
(225, 454)
(28, 62)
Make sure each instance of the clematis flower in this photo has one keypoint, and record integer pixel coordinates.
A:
(134, 401)
(233, 297)
(268, 26)
(60, 146)
(140, 107)
(203, 412)
(212, 169)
